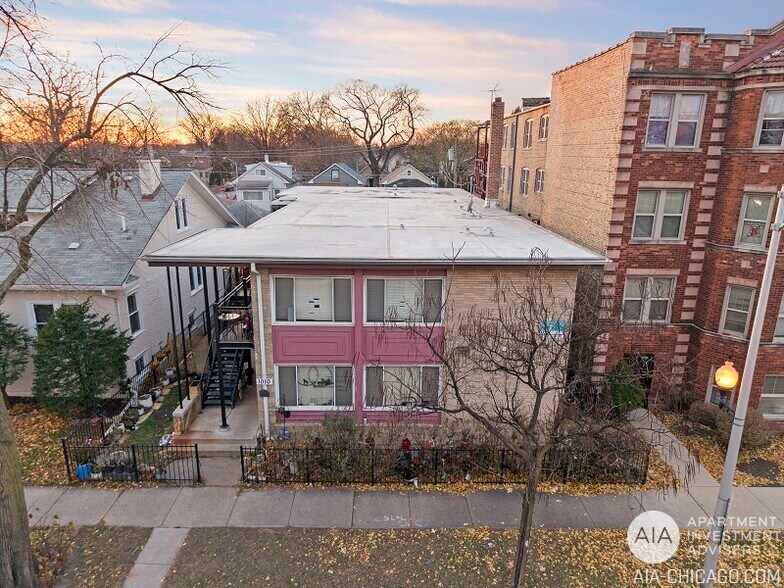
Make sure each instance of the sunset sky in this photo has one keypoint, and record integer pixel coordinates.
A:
(453, 50)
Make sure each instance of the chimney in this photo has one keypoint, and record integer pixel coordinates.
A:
(266, 158)
(149, 177)
(494, 150)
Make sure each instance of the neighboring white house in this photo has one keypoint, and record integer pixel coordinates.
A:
(263, 181)
(407, 176)
(90, 250)
(338, 174)
(395, 161)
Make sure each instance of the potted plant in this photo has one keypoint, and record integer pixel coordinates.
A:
(146, 401)
(155, 392)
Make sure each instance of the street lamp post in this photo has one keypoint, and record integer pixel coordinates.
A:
(731, 461)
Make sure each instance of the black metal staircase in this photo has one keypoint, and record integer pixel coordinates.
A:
(231, 375)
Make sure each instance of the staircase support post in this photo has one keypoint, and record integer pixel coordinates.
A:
(218, 353)
(182, 333)
(174, 336)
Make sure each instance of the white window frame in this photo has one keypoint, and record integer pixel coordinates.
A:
(544, 127)
(539, 181)
(31, 313)
(506, 137)
(263, 194)
(658, 215)
(334, 175)
(779, 316)
(332, 278)
(195, 270)
(295, 407)
(760, 119)
(645, 310)
(391, 407)
(181, 221)
(135, 294)
(770, 415)
(143, 357)
(725, 308)
(528, 133)
(403, 323)
(672, 128)
(260, 171)
(502, 178)
(742, 219)
(525, 176)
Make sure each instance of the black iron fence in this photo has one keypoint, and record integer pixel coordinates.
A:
(119, 462)
(483, 465)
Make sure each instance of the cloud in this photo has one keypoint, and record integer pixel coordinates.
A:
(539, 5)
(199, 36)
(131, 6)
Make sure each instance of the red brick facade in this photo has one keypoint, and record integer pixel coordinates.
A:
(599, 159)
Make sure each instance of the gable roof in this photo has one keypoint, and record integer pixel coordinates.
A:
(770, 55)
(248, 212)
(265, 165)
(92, 217)
(401, 177)
(55, 186)
(346, 169)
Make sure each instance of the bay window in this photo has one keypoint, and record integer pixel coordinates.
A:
(315, 386)
(771, 126)
(413, 300)
(306, 299)
(674, 120)
(406, 386)
(737, 309)
(772, 398)
(754, 220)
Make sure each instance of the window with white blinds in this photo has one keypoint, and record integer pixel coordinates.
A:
(404, 300)
(301, 299)
(408, 386)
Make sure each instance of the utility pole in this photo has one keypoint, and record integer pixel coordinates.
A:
(731, 461)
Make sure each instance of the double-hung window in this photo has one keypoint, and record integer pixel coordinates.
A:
(315, 386)
(506, 137)
(674, 120)
(409, 386)
(412, 300)
(754, 220)
(779, 332)
(772, 397)
(140, 363)
(181, 214)
(659, 214)
(306, 299)
(771, 133)
(528, 132)
(196, 279)
(524, 175)
(647, 299)
(134, 314)
(539, 181)
(502, 180)
(334, 175)
(544, 123)
(737, 309)
(41, 315)
(254, 194)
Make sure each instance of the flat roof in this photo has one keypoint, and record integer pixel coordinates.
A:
(326, 225)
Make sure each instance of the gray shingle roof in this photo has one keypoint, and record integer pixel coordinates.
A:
(247, 213)
(55, 186)
(92, 218)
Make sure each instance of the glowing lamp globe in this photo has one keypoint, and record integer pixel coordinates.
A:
(726, 376)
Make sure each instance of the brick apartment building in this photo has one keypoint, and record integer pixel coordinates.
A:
(664, 153)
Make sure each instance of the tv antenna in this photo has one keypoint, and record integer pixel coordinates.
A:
(493, 91)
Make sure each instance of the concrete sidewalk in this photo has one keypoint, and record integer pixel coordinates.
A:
(380, 509)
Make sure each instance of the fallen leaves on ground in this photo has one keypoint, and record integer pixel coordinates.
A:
(703, 443)
(38, 433)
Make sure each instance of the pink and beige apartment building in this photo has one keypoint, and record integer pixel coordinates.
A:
(338, 276)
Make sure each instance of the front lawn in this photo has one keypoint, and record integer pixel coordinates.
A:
(451, 558)
(159, 421)
(38, 433)
(87, 557)
(759, 467)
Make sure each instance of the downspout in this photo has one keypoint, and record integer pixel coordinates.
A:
(262, 350)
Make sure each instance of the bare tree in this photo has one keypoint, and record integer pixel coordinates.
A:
(265, 125)
(54, 117)
(203, 128)
(447, 149)
(510, 366)
(382, 120)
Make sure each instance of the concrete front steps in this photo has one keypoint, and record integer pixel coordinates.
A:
(215, 444)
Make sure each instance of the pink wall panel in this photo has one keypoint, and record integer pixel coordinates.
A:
(395, 345)
(309, 345)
